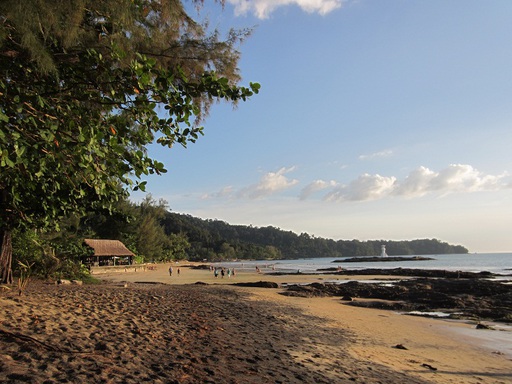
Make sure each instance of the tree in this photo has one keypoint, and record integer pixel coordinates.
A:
(178, 246)
(85, 86)
(151, 241)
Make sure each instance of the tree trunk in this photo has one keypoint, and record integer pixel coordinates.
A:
(6, 257)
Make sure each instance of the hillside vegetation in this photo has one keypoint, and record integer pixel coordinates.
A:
(217, 240)
(155, 234)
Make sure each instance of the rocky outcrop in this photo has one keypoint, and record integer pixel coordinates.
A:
(461, 298)
(409, 272)
(258, 284)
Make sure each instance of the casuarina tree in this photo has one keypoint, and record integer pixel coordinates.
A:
(85, 87)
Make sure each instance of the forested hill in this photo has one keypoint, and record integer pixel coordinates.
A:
(215, 240)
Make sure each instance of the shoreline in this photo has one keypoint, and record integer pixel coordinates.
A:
(191, 274)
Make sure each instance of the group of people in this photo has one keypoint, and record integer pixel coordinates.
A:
(171, 270)
(223, 272)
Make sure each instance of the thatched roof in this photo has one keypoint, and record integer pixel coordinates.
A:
(103, 247)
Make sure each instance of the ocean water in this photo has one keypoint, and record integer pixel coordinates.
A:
(497, 263)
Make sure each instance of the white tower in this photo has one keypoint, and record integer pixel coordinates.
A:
(383, 251)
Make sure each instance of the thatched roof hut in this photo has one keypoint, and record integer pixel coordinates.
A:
(106, 252)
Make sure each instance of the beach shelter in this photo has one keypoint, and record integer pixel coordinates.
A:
(107, 252)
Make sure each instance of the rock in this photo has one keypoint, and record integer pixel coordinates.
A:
(400, 346)
(63, 282)
(77, 282)
(259, 284)
(417, 273)
(380, 259)
(200, 266)
(466, 297)
(347, 298)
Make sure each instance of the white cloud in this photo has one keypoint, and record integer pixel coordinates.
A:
(371, 156)
(461, 177)
(417, 183)
(315, 186)
(365, 187)
(269, 184)
(456, 178)
(224, 192)
(263, 8)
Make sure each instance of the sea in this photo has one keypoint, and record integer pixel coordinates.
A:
(497, 263)
(500, 264)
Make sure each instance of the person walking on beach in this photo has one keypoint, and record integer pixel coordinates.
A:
(170, 270)
(178, 271)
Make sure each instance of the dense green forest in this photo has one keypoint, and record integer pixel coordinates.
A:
(217, 240)
(154, 233)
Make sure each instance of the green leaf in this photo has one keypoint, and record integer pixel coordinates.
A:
(255, 87)
(20, 151)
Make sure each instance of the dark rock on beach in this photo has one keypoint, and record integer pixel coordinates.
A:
(258, 284)
(462, 298)
(200, 266)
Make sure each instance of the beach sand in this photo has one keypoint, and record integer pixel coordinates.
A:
(125, 331)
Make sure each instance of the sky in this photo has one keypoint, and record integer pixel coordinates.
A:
(376, 119)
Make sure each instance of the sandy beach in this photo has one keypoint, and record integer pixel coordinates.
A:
(131, 330)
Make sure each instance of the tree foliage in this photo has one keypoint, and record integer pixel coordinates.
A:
(156, 234)
(151, 241)
(210, 240)
(85, 87)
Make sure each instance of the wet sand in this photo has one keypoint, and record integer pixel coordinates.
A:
(182, 332)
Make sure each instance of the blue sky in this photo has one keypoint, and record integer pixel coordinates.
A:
(376, 120)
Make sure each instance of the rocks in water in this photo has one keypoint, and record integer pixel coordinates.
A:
(381, 259)
(413, 272)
